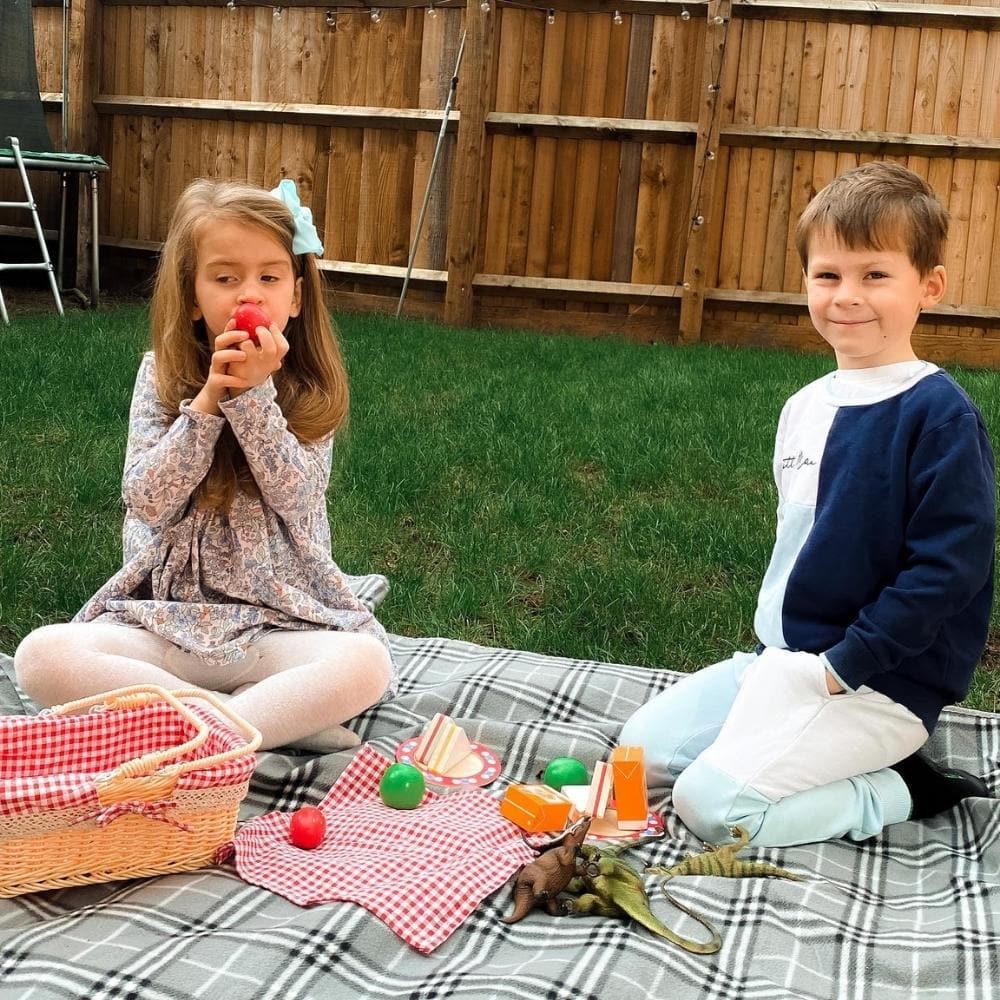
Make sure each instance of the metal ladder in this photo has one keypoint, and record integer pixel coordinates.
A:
(46, 262)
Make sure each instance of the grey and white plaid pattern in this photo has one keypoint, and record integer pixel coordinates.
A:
(915, 913)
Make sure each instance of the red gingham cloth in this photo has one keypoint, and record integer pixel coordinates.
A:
(51, 762)
(422, 871)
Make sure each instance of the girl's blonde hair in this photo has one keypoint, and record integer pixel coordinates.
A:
(311, 385)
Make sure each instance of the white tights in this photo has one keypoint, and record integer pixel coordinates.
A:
(295, 687)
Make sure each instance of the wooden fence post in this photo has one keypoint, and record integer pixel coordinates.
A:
(476, 85)
(84, 27)
(703, 180)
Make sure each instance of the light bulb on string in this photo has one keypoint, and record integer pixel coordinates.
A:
(718, 19)
(698, 221)
(485, 6)
(231, 5)
(376, 16)
(276, 13)
(685, 14)
(331, 20)
(431, 12)
(616, 18)
(550, 18)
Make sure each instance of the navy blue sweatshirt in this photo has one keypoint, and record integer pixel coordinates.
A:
(883, 558)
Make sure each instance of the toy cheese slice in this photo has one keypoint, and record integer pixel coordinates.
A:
(631, 803)
(535, 808)
(442, 746)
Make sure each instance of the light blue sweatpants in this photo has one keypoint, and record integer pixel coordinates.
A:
(758, 741)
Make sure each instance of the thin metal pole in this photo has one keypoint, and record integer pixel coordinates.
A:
(430, 180)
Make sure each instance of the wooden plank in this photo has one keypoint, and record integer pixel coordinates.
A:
(630, 156)
(779, 221)
(277, 112)
(437, 64)
(704, 207)
(959, 198)
(523, 169)
(84, 73)
(609, 160)
(760, 194)
(885, 12)
(543, 178)
(564, 126)
(978, 352)
(563, 199)
(738, 177)
(945, 118)
(588, 157)
(363, 7)
(467, 194)
(498, 195)
(880, 144)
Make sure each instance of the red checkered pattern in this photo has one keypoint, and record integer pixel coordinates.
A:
(422, 871)
(51, 761)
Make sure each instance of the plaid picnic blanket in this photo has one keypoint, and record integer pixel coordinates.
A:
(913, 913)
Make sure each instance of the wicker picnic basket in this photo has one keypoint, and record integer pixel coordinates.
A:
(139, 784)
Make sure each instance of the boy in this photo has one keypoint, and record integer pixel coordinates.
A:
(874, 610)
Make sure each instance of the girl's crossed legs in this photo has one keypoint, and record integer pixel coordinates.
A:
(291, 685)
(757, 741)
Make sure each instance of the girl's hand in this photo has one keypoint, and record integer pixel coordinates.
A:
(223, 380)
(255, 362)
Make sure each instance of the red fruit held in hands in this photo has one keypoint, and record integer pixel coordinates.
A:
(248, 317)
(308, 827)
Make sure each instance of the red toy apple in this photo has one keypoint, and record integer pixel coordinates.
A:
(308, 827)
(248, 317)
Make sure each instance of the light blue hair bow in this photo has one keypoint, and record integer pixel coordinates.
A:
(306, 239)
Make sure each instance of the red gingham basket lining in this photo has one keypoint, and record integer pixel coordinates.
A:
(51, 762)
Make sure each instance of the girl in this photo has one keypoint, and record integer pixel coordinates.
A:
(227, 582)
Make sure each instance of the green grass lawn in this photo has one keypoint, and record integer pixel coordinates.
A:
(592, 498)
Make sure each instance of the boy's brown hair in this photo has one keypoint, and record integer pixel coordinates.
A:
(881, 205)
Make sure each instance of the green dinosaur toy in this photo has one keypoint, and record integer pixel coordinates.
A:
(723, 861)
(607, 886)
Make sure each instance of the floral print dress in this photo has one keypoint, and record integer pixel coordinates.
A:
(212, 581)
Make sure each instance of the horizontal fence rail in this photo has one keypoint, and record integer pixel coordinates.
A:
(630, 167)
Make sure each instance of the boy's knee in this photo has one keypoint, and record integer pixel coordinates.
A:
(710, 805)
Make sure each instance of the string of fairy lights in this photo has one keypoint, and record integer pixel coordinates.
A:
(376, 14)
(715, 21)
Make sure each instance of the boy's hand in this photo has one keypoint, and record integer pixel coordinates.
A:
(831, 684)
(253, 363)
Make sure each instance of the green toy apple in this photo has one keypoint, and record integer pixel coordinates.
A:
(565, 771)
(402, 786)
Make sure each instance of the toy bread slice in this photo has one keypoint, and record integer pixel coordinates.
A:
(442, 746)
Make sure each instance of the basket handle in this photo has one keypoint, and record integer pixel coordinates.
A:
(137, 697)
(135, 780)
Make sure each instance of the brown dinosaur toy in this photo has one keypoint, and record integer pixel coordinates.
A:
(540, 881)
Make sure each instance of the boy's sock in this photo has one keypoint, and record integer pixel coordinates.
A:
(935, 789)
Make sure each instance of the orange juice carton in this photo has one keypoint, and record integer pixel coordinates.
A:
(629, 773)
(535, 808)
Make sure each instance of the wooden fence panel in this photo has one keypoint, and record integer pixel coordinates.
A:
(589, 173)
